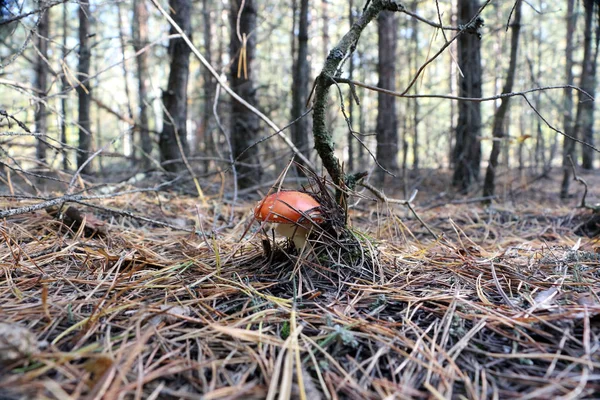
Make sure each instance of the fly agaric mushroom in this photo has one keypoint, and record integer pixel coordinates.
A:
(292, 213)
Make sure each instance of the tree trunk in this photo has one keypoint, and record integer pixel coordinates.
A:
(500, 114)
(414, 38)
(325, 27)
(64, 88)
(84, 91)
(244, 123)
(585, 107)
(467, 149)
(173, 138)
(41, 83)
(300, 84)
(128, 148)
(362, 117)
(387, 122)
(140, 40)
(209, 87)
(350, 137)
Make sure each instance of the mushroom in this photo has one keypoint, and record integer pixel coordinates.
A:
(292, 213)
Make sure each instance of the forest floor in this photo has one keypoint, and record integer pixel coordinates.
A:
(503, 303)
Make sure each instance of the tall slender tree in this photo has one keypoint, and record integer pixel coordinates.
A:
(209, 85)
(467, 149)
(41, 82)
(140, 40)
(568, 144)
(64, 85)
(300, 83)
(498, 128)
(584, 125)
(124, 69)
(173, 142)
(387, 121)
(414, 38)
(244, 123)
(350, 137)
(84, 89)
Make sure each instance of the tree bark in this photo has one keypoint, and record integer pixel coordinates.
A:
(127, 150)
(350, 137)
(387, 121)
(173, 138)
(41, 83)
(300, 84)
(64, 85)
(585, 108)
(84, 91)
(140, 40)
(244, 123)
(568, 144)
(414, 37)
(467, 149)
(500, 114)
(209, 86)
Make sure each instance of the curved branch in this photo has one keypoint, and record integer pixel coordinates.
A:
(323, 140)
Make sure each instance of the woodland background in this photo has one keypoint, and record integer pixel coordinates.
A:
(103, 78)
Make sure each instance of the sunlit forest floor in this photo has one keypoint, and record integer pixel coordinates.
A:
(502, 303)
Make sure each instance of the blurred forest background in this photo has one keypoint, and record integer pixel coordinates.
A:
(111, 89)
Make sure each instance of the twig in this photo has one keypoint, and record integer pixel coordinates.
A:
(428, 22)
(482, 99)
(349, 123)
(585, 187)
(466, 28)
(381, 196)
(41, 9)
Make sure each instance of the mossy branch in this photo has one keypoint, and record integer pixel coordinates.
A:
(323, 139)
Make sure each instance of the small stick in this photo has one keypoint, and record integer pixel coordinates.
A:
(381, 196)
(580, 180)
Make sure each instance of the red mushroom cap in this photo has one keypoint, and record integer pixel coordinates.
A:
(288, 207)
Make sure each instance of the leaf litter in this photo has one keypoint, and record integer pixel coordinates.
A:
(504, 303)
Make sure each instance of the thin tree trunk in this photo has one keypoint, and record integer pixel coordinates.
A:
(209, 86)
(41, 78)
(414, 38)
(350, 137)
(140, 40)
(362, 117)
(173, 138)
(467, 150)
(244, 124)
(452, 83)
(325, 28)
(84, 90)
(585, 107)
(500, 115)
(300, 84)
(64, 88)
(387, 121)
(293, 35)
(123, 44)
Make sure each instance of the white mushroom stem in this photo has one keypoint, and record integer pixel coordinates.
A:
(298, 233)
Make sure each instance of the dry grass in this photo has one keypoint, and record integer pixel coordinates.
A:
(505, 305)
